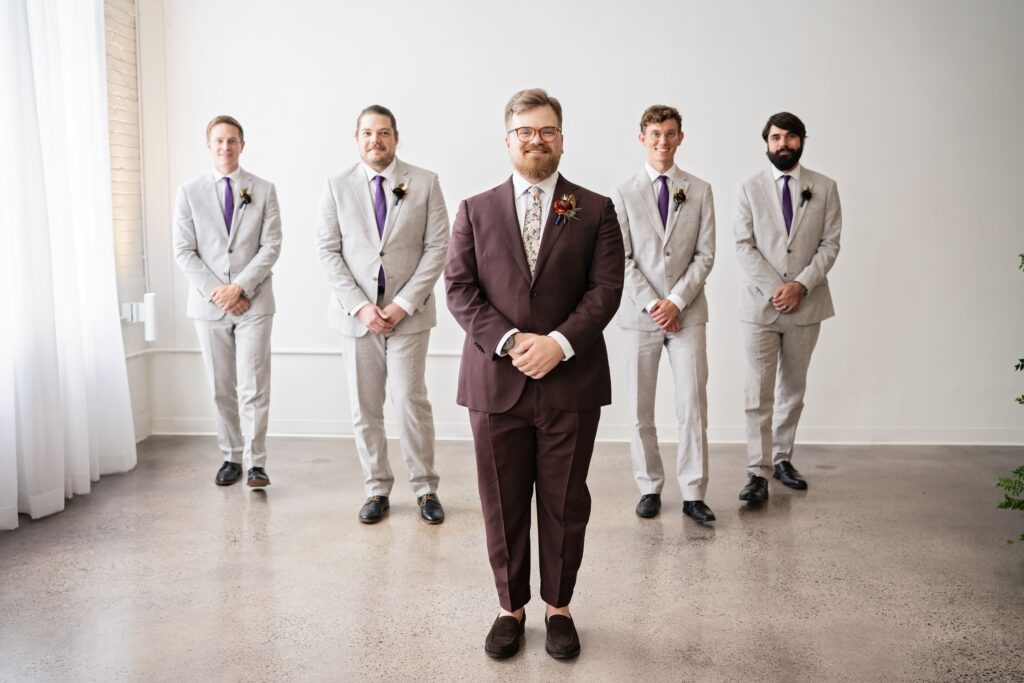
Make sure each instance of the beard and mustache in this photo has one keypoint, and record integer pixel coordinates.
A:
(786, 158)
(536, 170)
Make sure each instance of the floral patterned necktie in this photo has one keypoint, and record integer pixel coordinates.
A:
(531, 229)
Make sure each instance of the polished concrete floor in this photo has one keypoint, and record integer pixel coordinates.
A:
(894, 566)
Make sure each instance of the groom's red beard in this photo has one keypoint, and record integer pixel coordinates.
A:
(537, 169)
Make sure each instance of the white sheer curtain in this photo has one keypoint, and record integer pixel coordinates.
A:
(65, 412)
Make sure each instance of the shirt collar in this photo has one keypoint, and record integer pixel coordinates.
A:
(794, 173)
(388, 173)
(654, 173)
(547, 186)
(234, 175)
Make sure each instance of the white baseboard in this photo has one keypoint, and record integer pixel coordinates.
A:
(619, 432)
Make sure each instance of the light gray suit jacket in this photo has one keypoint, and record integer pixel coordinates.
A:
(412, 249)
(662, 260)
(211, 257)
(768, 257)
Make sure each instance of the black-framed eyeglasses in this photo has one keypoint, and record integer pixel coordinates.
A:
(526, 133)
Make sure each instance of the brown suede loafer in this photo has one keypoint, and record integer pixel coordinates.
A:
(504, 637)
(562, 641)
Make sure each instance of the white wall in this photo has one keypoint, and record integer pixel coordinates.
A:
(914, 108)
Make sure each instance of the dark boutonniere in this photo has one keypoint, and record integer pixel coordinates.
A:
(679, 197)
(399, 192)
(805, 195)
(245, 195)
(565, 208)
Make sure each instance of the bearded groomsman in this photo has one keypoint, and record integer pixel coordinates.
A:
(534, 274)
(667, 217)
(382, 236)
(787, 239)
(227, 237)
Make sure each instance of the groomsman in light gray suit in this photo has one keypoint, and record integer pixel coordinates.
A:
(667, 218)
(787, 239)
(382, 236)
(227, 237)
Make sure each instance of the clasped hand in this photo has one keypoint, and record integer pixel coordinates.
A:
(230, 298)
(381, 320)
(665, 315)
(535, 355)
(787, 297)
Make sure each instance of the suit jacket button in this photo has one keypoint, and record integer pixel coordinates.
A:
(785, 275)
(231, 251)
(789, 251)
(533, 295)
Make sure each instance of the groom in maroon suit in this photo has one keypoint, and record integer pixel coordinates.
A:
(534, 274)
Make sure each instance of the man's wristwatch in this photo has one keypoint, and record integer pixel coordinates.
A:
(509, 344)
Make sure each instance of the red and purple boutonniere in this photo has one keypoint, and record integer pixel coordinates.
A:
(245, 195)
(679, 197)
(565, 208)
(805, 195)
(399, 192)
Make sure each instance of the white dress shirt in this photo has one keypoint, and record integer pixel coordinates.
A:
(794, 184)
(218, 180)
(386, 187)
(521, 190)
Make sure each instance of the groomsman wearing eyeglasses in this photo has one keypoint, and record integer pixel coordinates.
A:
(227, 237)
(667, 217)
(787, 239)
(382, 236)
(534, 274)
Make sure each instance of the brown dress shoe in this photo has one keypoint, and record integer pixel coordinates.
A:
(503, 639)
(562, 641)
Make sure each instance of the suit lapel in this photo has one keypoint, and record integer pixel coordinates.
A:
(679, 182)
(394, 209)
(771, 196)
(642, 183)
(360, 189)
(552, 231)
(508, 225)
(807, 181)
(244, 182)
(213, 206)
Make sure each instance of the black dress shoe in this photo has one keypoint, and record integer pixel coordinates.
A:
(431, 511)
(373, 509)
(258, 477)
(503, 639)
(649, 505)
(562, 641)
(787, 474)
(756, 490)
(228, 474)
(696, 509)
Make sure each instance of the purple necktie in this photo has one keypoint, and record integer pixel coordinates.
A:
(229, 203)
(787, 203)
(380, 210)
(663, 200)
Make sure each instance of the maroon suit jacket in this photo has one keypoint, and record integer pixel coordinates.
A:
(575, 290)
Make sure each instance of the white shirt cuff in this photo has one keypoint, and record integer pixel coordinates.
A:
(356, 308)
(650, 305)
(403, 304)
(564, 343)
(677, 300)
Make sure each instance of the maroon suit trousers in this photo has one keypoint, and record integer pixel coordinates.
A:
(534, 446)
